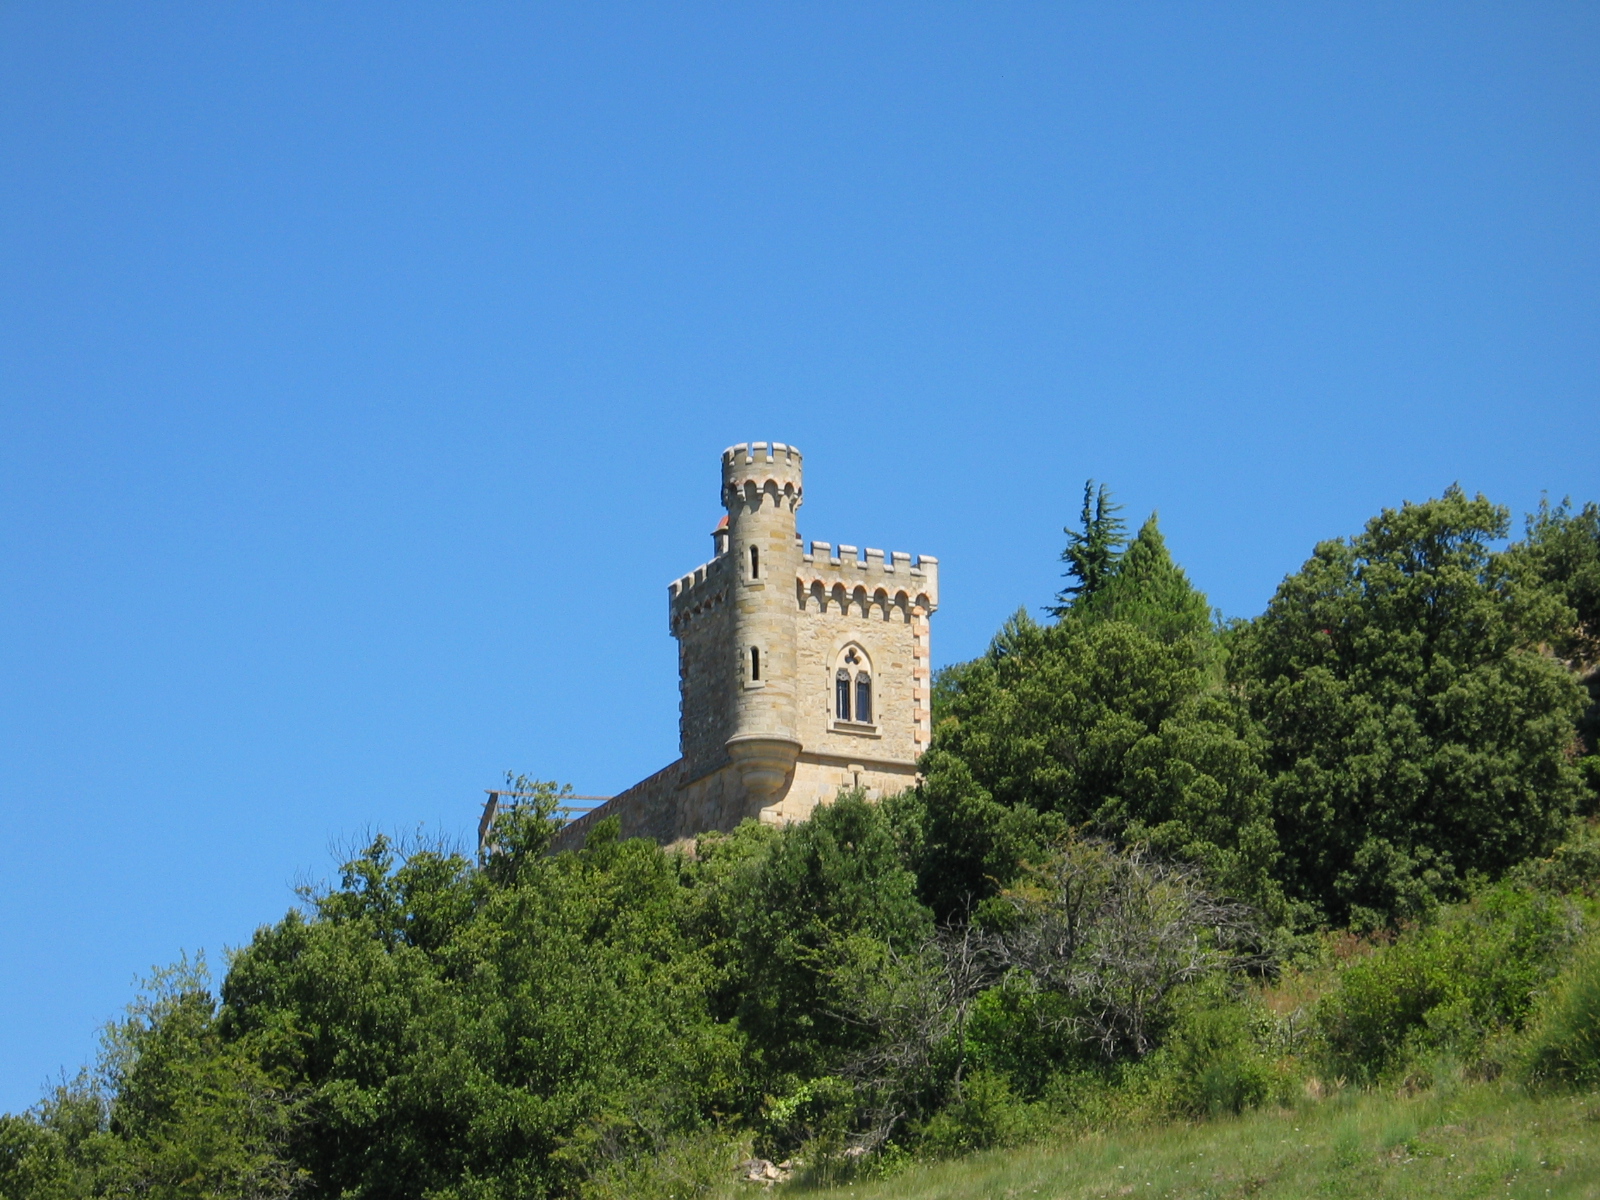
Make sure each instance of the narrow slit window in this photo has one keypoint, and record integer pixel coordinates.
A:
(864, 698)
(755, 563)
(755, 664)
(841, 696)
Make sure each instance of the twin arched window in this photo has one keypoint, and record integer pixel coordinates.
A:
(852, 688)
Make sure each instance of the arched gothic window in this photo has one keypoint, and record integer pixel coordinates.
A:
(852, 686)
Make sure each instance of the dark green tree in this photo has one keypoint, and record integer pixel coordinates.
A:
(503, 1032)
(1147, 589)
(1092, 549)
(1418, 736)
(1561, 552)
(1561, 549)
(1096, 724)
(790, 907)
(175, 1111)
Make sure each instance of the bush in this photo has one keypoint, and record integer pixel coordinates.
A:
(987, 1113)
(1217, 1064)
(1026, 1036)
(684, 1167)
(1446, 987)
(1565, 1045)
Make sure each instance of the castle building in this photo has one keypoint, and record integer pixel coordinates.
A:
(802, 670)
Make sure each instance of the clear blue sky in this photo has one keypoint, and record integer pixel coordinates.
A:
(364, 368)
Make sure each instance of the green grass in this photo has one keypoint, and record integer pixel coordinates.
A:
(1480, 1141)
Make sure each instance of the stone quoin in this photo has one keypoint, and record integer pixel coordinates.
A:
(803, 670)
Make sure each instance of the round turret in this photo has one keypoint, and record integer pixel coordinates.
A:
(761, 489)
(752, 467)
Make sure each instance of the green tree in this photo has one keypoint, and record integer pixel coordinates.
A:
(1561, 549)
(60, 1148)
(503, 1032)
(1147, 589)
(1561, 553)
(1092, 549)
(1096, 724)
(1417, 735)
(791, 906)
(174, 1112)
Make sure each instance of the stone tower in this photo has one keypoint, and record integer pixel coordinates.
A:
(761, 490)
(802, 669)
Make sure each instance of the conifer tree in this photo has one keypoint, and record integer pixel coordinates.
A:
(1093, 551)
(1151, 591)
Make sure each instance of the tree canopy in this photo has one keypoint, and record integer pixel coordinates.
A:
(1417, 735)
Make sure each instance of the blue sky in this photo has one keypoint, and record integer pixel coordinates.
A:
(364, 368)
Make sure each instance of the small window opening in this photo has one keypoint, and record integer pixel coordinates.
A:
(864, 698)
(755, 563)
(755, 664)
(841, 695)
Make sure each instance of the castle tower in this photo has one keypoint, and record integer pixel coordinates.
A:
(761, 489)
(802, 670)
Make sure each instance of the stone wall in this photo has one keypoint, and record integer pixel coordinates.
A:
(702, 621)
(671, 808)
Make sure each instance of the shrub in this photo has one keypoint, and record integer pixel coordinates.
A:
(1447, 986)
(1565, 1045)
(986, 1113)
(1217, 1065)
(1026, 1036)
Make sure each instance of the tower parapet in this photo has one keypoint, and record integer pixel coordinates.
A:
(761, 467)
(916, 578)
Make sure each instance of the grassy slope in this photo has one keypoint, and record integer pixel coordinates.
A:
(1479, 1142)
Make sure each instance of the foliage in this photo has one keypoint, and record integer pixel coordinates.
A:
(986, 1114)
(176, 1113)
(1028, 1036)
(1416, 735)
(682, 1167)
(1217, 1064)
(916, 1004)
(1150, 591)
(1561, 555)
(1564, 1045)
(486, 1033)
(1078, 921)
(1561, 552)
(1092, 549)
(788, 909)
(1113, 933)
(1448, 986)
(1094, 724)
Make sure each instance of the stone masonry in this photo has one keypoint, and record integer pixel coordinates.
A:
(802, 670)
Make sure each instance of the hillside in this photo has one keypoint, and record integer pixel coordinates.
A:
(1475, 1142)
(1156, 871)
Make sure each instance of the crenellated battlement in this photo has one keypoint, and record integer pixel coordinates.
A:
(762, 467)
(702, 589)
(844, 565)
